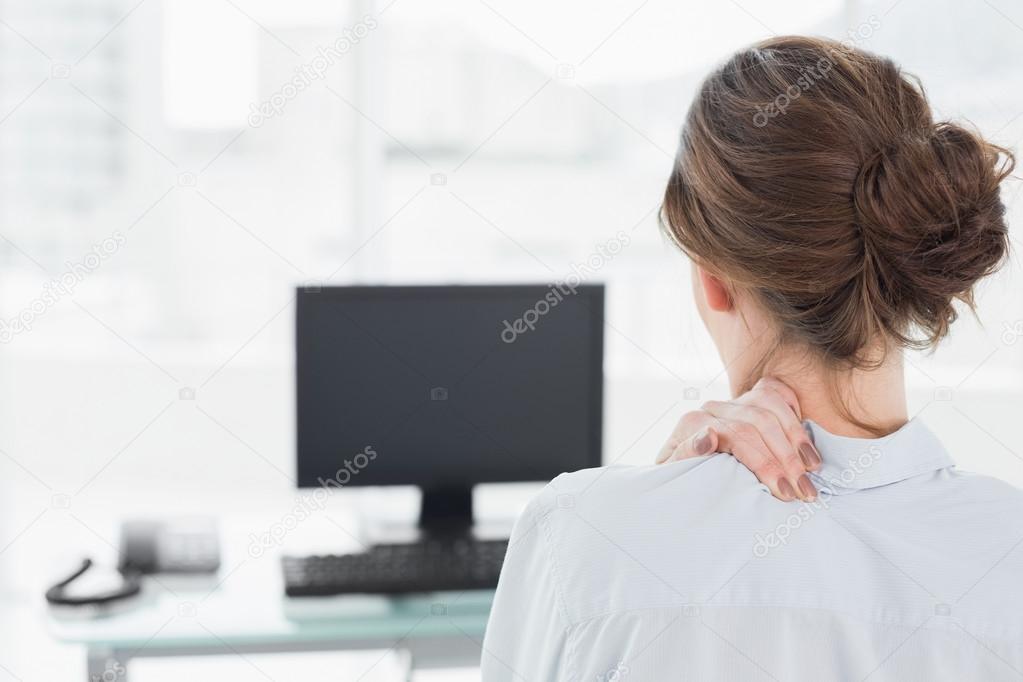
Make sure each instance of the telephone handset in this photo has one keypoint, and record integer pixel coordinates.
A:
(187, 546)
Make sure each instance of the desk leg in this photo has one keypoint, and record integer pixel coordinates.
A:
(106, 665)
(405, 656)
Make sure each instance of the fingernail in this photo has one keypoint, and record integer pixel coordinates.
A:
(808, 453)
(703, 443)
(806, 488)
(786, 489)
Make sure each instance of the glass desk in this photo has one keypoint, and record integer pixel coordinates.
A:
(242, 616)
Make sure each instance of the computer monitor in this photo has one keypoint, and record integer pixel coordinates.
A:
(444, 387)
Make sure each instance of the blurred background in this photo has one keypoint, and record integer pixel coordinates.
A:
(170, 171)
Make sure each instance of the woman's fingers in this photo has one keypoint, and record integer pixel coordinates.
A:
(761, 425)
(775, 396)
(784, 392)
(762, 428)
(703, 442)
(744, 442)
(692, 437)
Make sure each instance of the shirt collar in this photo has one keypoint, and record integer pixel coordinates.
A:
(851, 464)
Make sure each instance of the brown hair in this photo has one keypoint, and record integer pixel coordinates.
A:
(812, 175)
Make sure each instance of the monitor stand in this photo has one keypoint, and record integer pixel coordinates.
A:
(446, 513)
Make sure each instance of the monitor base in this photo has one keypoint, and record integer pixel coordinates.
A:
(446, 514)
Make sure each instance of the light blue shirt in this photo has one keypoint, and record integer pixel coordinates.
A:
(903, 569)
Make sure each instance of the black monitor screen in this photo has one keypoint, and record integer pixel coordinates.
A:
(448, 386)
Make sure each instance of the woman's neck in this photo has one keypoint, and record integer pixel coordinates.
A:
(845, 403)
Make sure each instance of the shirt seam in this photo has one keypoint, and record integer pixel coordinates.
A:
(562, 606)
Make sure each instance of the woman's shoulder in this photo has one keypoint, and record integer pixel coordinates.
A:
(615, 489)
(609, 538)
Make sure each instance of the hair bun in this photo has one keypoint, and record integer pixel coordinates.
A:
(932, 225)
(811, 174)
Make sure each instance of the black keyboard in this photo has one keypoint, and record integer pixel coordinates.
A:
(426, 566)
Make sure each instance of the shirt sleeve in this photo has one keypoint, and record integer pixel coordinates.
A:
(527, 632)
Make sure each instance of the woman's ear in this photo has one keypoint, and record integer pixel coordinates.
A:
(715, 292)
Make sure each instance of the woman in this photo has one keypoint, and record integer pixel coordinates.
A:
(826, 236)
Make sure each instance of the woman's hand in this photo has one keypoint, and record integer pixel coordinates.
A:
(762, 429)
